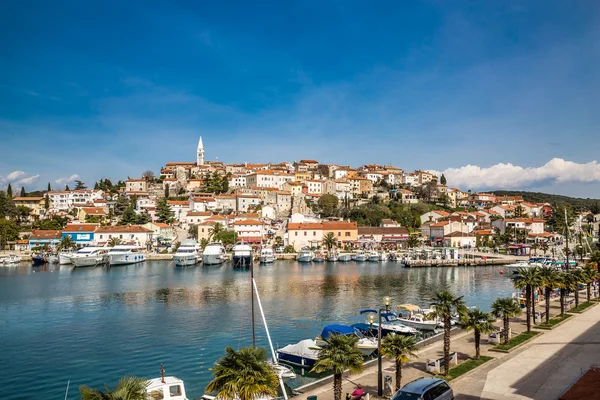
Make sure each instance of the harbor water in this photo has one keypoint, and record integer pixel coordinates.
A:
(94, 325)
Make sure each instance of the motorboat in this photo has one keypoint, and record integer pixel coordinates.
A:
(39, 259)
(267, 255)
(284, 372)
(12, 259)
(125, 254)
(64, 257)
(166, 388)
(214, 254)
(360, 256)
(303, 354)
(345, 257)
(319, 257)
(514, 268)
(305, 255)
(188, 253)
(390, 323)
(333, 256)
(383, 256)
(374, 255)
(52, 258)
(393, 257)
(90, 257)
(242, 255)
(366, 345)
(416, 317)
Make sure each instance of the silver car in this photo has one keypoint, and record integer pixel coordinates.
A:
(425, 389)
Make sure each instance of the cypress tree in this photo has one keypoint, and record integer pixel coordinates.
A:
(23, 194)
(67, 188)
(9, 191)
(49, 187)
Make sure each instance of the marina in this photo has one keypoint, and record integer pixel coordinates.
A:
(156, 313)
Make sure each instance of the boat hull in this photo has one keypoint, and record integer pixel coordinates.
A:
(305, 259)
(89, 261)
(420, 325)
(266, 259)
(345, 258)
(38, 261)
(374, 258)
(360, 258)
(294, 359)
(241, 260)
(126, 259)
(212, 259)
(64, 259)
(186, 261)
(319, 259)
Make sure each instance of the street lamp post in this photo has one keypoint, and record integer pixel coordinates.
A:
(386, 301)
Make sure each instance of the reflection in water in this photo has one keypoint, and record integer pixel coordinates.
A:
(93, 325)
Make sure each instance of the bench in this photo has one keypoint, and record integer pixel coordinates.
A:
(435, 365)
(496, 337)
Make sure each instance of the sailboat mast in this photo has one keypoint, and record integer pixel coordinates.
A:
(567, 238)
(252, 301)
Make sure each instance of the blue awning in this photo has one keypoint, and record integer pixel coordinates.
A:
(336, 330)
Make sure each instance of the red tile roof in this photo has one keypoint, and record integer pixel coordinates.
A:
(45, 234)
(126, 229)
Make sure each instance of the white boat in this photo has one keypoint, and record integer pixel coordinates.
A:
(284, 372)
(12, 259)
(64, 257)
(166, 388)
(304, 354)
(52, 259)
(90, 257)
(124, 254)
(188, 253)
(417, 318)
(267, 255)
(345, 257)
(242, 255)
(390, 324)
(360, 256)
(333, 256)
(513, 268)
(214, 253)
(366, 345)
(383, 256)
(319, 257)
(305, 255)
(374, 255)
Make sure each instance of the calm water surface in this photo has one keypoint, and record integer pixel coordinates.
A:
(94, 325)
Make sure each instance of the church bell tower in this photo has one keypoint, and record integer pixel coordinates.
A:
(200, 153)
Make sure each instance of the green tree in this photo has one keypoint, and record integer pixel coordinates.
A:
(66, 243)
(121, 205)
(9, 231)
(480, 323)
(289, 249)
(129, 217)
(400, 348)
(128, 388)
(561, 282)
(527, 278)
(547, 276)
(53, 224)
(444, 304)
(505, 308)
(193, 232)
(9, 191)
(164, 212)
(227, 237)
(329, 241)
(142, 218)
(166, 190)
(22, 213)
(590, 273)
(46, 202)
(520, 212)
(114, 241)
(215, 230)
(443, 179)
(23, 193)
(328, 204)
(340, 354)
(203, 243)
(243, 375)
(413, 241)
(49, 187)
(574, 278)
(79, 185)
(7, 206)
(67, 188)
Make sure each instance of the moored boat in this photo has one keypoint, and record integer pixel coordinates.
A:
(90, 257)
(125, 254)
(214, 254)
(415, 317)
(166, 388)
(242, 255)
(39, 259)
(366, 345)
(302, 354)
(319, 257)
(188, 253)
(64, 257)
(267, 255)
(333, 256)
(12, 259)
(305, 255)
(360, 256)
(345, 257)
(373, 256)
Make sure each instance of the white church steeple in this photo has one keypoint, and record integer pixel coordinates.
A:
(200, 153)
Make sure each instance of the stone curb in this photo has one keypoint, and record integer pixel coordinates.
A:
(517, 346)
(549, 328)
(466, 374)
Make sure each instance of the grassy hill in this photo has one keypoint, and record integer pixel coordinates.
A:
(577, 203)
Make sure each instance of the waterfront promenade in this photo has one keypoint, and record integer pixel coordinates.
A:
(542, 369)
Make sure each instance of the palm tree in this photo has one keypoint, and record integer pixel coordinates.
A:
(339, 355)
(480, 322)
(329, 240)
(527, 278)
(66, 243)
(575, 277)
(243, 375)
(413, 241)
(534, 247)
(400, 348)
(547, 277)
(562, 283)
(216, 229)
(590, 274)
(114, 241)
(128, 388)
(444, 304)
(203, 243)
(505, 308)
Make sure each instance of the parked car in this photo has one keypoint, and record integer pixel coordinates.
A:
(425, 389)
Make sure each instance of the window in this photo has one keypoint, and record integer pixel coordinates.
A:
(175, 390)
(347, 234)
(295, 233)
(305, 233)
(339, 233)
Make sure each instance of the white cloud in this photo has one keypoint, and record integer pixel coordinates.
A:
(509, 176)
(11, 177)
(64, 180)
(29, 180)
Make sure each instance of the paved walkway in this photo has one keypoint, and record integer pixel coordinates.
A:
(544, 369)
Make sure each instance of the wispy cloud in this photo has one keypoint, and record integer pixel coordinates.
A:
(30, 180)
(67, 179)
(509, 176)
(18, 178)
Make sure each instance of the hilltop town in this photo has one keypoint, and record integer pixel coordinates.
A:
(289, 205)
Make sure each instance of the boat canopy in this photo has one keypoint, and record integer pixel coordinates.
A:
(362, 327)
(336, 330)
(410, 307)
(304, 348)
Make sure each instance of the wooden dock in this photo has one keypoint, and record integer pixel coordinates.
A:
(460, 263)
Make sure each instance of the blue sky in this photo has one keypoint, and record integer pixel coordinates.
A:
(110, 89)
